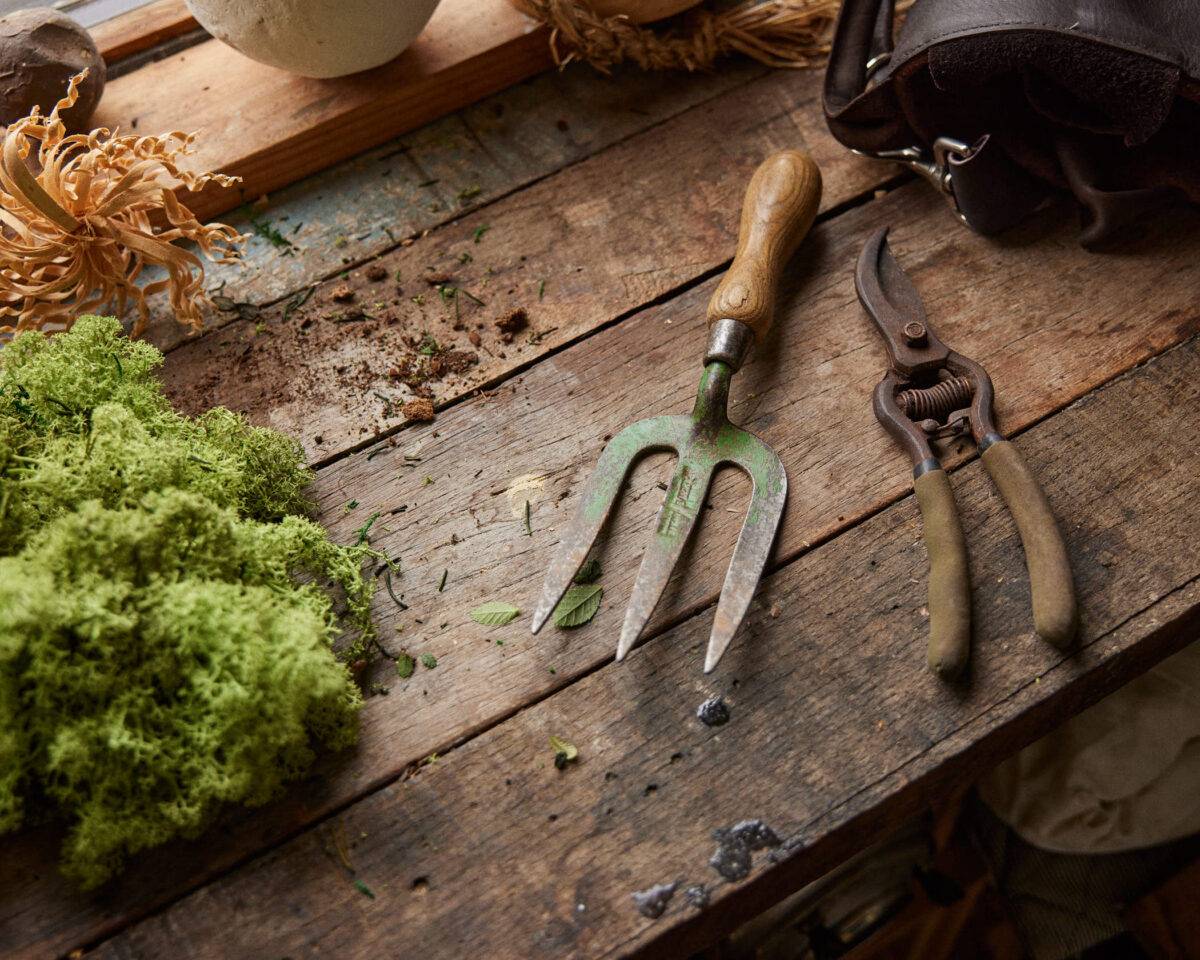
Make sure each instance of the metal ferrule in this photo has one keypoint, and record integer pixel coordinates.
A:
(728, 341)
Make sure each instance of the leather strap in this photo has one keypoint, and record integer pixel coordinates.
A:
(992, 190)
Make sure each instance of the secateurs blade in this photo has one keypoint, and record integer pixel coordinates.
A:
(931, 392)
(781, 202)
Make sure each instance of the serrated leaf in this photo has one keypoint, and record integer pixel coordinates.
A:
(495, 613)
(405, 665)
(578, 606)
(565, 747)
(588, 573)
(429, 660)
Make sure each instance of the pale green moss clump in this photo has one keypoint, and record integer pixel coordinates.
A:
(158, 657)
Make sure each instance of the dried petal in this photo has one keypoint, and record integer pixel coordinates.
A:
(76, 237)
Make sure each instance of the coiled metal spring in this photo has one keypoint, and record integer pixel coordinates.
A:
(936, 402)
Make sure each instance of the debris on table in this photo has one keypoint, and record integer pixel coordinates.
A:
(578, 606)
(494, 613)
(735, 845)
(653, 902)
(512, 323)
(713, 712)
(564, 751)
(588, 573)
(419, 410)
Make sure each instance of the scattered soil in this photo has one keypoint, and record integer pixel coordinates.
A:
(455, 361)
(512, 323)
(350, 349)
(418, 411)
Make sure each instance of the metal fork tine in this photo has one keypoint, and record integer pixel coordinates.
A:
(675, 520)
(596, 504)
(749, 556)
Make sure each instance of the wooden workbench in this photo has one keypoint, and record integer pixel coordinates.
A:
(607, 208)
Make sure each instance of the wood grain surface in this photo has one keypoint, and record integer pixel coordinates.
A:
(141, 28)
(545, 427)
(573, 251)
(781, 202)
(271, 128)
(837, 732)
(346, 215)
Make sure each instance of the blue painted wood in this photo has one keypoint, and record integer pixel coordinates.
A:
(363, 207)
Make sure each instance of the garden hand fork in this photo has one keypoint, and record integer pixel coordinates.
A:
(781, 203)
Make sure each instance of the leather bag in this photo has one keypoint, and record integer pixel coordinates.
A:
(999, 103)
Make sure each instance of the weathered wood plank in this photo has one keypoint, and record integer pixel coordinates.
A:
(358, 209)
(838, 731)
(271, 128)
(806, 394)
(600, 252)
(141, 28)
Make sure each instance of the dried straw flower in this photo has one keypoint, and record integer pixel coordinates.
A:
(75, 238)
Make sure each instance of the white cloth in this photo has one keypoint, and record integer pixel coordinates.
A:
(1122, 775)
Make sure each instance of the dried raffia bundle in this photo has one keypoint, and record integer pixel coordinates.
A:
(76, 235)
(779, 33)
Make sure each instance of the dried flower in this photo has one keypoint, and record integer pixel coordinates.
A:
(76, 237)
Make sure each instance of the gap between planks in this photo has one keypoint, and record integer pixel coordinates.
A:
(608, 254)
(366, 207)
(141, 28)
(876, 471)
(1013, 711)
(271, 128)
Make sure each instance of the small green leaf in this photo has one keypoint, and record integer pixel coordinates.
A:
(589, 572)
(496, 613)
(429, 660)
(363, 888)
(578, 606)
(405, 665)
(564, 746)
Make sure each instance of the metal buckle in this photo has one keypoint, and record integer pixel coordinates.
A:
(936, 169)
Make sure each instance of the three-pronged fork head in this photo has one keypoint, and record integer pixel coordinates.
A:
(703, 442)
(781, 203)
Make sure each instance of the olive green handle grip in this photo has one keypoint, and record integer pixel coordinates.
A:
(949, 583)
(1055, 614)
(781, 204)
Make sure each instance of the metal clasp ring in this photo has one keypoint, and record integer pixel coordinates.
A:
(936, 169)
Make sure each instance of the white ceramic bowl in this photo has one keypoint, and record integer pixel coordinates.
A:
(315, 38)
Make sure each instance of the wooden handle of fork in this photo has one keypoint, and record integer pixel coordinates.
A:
(781, 204)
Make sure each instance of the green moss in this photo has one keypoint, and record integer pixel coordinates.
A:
(159, 656)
